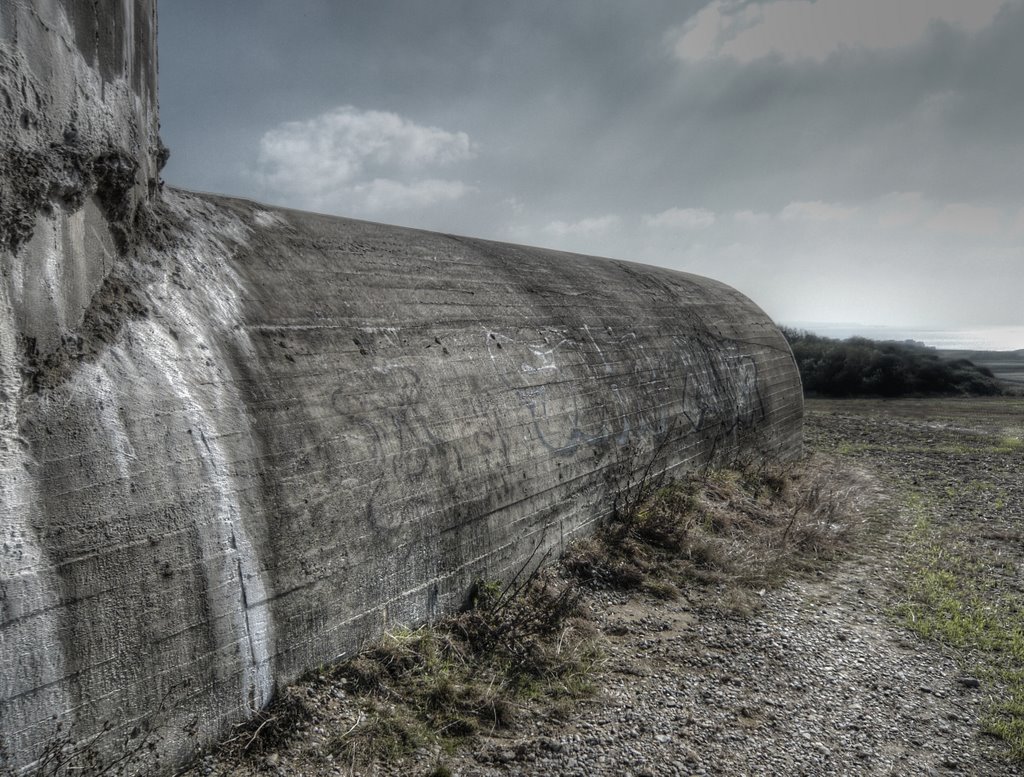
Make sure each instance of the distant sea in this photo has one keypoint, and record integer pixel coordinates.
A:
(993, 338)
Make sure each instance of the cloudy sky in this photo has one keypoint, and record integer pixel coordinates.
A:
(836, 160)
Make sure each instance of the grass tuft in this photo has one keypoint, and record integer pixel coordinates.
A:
(272, 727)
(745, 527)
(516, 646)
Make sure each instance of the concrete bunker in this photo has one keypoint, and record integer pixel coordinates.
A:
(238, 441)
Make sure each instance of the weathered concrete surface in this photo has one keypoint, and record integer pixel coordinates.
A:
(79, 158)
(79, 155)
(235, 441)
(322, 426)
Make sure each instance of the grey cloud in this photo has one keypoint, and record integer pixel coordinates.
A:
(937, 117)
(584, 118)
(360, 162)
(814, 30)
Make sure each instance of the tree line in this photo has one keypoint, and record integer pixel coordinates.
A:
(858, 366)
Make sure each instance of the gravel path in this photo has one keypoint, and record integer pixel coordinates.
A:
(821, 679)
(819, 682)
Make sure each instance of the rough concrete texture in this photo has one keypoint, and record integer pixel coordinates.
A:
(79, 150)
(236, 442)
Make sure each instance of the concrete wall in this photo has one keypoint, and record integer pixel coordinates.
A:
(236, 442)
(79, 158)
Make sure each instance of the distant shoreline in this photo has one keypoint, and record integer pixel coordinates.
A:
(1001, 339)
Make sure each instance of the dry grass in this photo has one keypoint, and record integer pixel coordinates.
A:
(516, 647)
(742, 527)
(520, 647)
(526, 649)
(273, 726)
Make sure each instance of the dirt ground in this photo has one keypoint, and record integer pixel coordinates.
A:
(868, 667)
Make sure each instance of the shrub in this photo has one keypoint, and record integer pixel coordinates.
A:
(742, 526)
(517, 644)
(862, 367)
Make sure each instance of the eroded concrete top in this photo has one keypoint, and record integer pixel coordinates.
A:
(78, 87)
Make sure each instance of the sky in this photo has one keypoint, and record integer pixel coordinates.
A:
(835, 160)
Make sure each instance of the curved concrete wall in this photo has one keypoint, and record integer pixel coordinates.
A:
(79, 158)
(238, 441)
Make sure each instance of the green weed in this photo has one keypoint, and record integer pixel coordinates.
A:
(953, 596)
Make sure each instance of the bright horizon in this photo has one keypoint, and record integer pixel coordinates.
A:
(1007, 338)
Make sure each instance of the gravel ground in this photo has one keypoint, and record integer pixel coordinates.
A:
(816, 683)
(820, 679)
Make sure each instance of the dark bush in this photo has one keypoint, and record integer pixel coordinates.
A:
(861, 367)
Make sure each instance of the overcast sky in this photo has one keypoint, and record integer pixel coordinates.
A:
(837, 160)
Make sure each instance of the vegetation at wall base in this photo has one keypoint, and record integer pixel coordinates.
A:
(744, 528)
(474, 672)
(522, 644)
(531, 648)
(858, 366)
